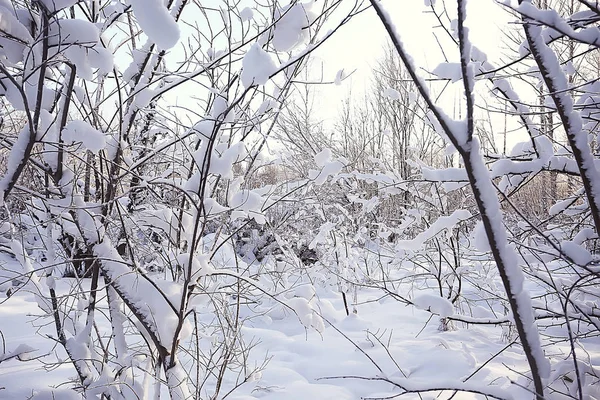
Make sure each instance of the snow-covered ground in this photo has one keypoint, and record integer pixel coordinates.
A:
(355, 356)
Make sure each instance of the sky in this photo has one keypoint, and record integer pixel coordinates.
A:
(358, 45)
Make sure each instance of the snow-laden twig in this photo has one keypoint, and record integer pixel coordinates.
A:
(408, 385)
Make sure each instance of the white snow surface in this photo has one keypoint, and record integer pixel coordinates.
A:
(303, 361)
(434, 303)
(80, 131)
(247, 14)
(257, 66)
(449, 71)
(392, 94)
(15, 27)
(442, 223)
(291, 27)
(156, 22)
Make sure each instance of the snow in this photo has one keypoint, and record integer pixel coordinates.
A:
(329, 166)
(357, 319)
(323, 234)
(303, 361)
(79, 41)
(200, 266)
(156, 22)
(177, 381)
(339, 77)
(22, 353)
(323, 157)
(69, 32)
(442, 223)
(291, 26)
(556, 23)
(80, 131)
(450, 71)
(55, 394)
(16, 28)
(302, 309)
(101, 58)
(258, 66)
(445, 175)
(212, 207)
(434, 303)
(247, 203)
(140, 293)
(223, 164)
(392, 94)
(15, 157)
(247, 14)
(578, 254)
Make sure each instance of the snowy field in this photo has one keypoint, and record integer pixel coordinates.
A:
(384, 339)
(383, 351)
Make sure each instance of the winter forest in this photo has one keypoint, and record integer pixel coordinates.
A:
(199, 200)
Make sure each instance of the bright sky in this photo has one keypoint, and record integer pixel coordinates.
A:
(358, 45)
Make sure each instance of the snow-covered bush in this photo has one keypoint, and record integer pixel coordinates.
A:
(143, 123)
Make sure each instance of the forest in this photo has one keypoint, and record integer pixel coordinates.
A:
(189, 211)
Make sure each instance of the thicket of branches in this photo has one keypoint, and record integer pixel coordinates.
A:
(136, 160)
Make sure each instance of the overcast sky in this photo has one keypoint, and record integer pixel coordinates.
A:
(358, 45)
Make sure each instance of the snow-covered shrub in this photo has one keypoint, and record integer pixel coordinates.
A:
(131, 172)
